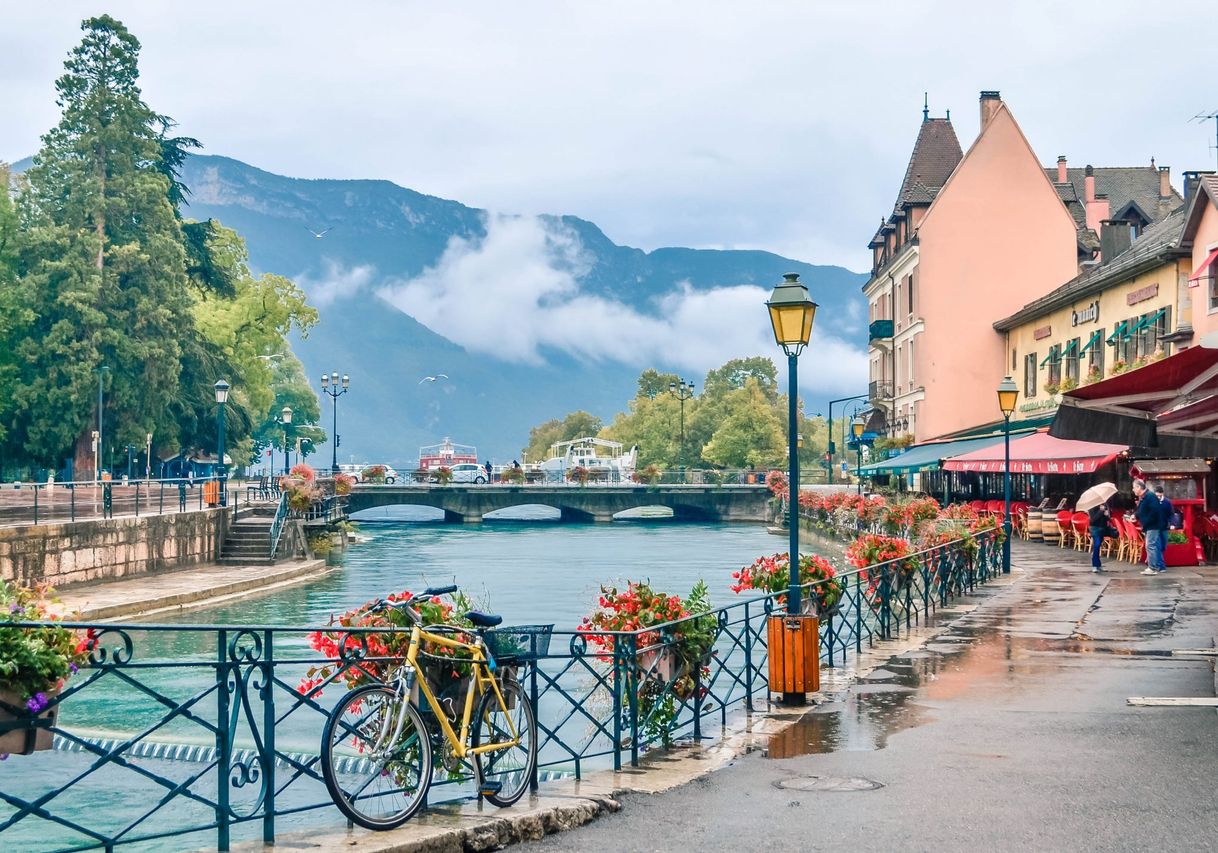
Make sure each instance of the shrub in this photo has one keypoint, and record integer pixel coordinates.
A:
(444, 475)
(303, 472)
(36, 661)
(512, 475)
(578, 474)
(373, 474)
(772, 574)
(648, 476)
(343, 483)
(321, 544)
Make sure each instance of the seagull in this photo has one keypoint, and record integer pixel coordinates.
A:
(320, 234)
(271, 357)
(433, 378)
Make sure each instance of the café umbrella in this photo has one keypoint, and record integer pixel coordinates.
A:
(1096, 495)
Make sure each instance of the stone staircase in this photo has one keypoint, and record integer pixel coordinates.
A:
(248, 541)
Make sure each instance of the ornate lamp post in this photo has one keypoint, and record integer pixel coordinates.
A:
(148, 457)
(221, 473)
(683, 391)
(856, 427)
(285, 418)
(101, 429)
(1008, 391)
(831, 447)
(791, 314)
(330, 386)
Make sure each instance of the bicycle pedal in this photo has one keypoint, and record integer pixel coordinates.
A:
(489, 789)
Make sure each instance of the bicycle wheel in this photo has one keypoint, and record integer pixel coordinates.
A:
(509, 770)
(376, 779)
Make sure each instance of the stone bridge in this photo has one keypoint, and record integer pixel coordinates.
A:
(469, 503)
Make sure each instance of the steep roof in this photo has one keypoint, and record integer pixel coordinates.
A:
(1158, 241)
(936, 153)
(1122, 185)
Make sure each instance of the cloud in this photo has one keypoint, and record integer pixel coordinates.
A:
(336, 282)
(515, 294)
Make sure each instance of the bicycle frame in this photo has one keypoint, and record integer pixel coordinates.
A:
(480, 665)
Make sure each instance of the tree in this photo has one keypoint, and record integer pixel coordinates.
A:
(13, 317)
(653, 383)
(736, 373)
(750, 433)
(654, 425)
(575, 425)
(290, 387)
(103, 261)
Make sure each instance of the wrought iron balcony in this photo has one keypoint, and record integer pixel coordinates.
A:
(879, 390)
(879, 330)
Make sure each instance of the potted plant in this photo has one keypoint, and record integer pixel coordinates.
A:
(1094, 374)
(1179, 551)
(1052, 387)
(343, 483)
(444, 475)
(513, 476)
(1118, 367)
(578, 474)
(373, 474)
(1068, 384)
(648, 476)
(872, 549)
(35, 662)
(772, 574)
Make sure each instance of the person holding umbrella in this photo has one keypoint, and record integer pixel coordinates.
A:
(1094, 502)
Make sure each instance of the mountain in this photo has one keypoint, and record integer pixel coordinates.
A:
(529, 317)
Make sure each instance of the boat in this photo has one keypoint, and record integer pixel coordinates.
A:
(446, 455)
(603, 459)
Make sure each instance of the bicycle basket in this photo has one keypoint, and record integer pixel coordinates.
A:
(520, 642)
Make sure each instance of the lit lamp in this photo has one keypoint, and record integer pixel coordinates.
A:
(856, 427)
(791, 314)
(1007, 394)
(222, 388)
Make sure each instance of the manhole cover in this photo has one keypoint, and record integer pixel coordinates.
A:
(828, 783)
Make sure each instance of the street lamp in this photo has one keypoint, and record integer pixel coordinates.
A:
(683, 391)
(221, 399)
(285, 418)
(856, 427)
(1008, 391)
(330, 386)
(148, 457)
(791, 315)
(96, 455)
(831, 447)
(101, 430)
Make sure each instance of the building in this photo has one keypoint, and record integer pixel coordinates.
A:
(1200, 239)
(987, 234)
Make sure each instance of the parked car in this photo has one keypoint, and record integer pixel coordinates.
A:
(468, 472)
(352, 470)
(391, 476)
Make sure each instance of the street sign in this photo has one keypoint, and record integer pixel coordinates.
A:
(845, 468)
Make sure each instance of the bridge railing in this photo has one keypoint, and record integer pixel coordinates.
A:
(202, 732)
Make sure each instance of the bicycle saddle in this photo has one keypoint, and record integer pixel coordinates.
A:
(483, 620)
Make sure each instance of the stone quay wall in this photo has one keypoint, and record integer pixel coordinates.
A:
(104, 549)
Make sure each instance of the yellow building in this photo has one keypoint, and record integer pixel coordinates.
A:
(1113, 317)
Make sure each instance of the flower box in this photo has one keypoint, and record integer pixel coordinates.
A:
(1180, 554)
(23, 732)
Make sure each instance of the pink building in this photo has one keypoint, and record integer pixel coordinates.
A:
(1201, 236)
(990, 238)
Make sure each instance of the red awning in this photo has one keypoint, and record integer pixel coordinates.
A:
(1206, 265)
(1039, 453)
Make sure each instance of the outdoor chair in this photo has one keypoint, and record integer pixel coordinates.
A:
(1019, 520)
(1065, 523)
(261, 491)
(1082, 531)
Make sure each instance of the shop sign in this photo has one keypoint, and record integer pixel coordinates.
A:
(1042, 333)
(1150, 291)
(1090, 314)
(1038, 405)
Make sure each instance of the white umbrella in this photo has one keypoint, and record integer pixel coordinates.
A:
(1096, 495)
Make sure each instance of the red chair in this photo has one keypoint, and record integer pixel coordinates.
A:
(995, 508)
(1082, 531)
(977, 505)
(1065, 520)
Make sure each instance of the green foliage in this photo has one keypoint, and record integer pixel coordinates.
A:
(34, 660)
(750, 432)
(574, 425)
(320, 544)
(654, 425)
(289, 387)
(652, 383)
(735, 375)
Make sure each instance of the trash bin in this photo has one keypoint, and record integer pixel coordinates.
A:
(794, 651)
(211, 493)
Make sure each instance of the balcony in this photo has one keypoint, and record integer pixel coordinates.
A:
(880, 390)
(879, 330)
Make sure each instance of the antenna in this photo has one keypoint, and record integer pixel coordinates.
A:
(1201, 118)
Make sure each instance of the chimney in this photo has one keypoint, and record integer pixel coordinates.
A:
(1062, 177)
(989, 106)
(1089, 184)
(1165, 182)
(1115, 237)
(1096, 204)
(1191, 180)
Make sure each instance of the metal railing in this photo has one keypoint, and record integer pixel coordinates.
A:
(54, 503)
(281, 517)
(203, 732)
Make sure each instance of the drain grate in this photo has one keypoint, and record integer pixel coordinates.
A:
(833, 784)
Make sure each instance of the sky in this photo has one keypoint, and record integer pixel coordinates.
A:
(775, 125)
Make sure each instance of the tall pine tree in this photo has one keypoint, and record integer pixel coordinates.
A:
(104, 265)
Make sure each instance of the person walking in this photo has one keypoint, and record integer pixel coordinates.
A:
(1150, 515)
(1099, 519)
(488, 468)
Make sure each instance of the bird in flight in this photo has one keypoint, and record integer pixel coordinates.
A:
(271, 357)
(319, 234)
(433, 378)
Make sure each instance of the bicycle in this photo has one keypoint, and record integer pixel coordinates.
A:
(377, 750)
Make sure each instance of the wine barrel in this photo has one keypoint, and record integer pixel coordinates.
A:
(1050, 530)
(1034, 529)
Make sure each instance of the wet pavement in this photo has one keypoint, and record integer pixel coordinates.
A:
(1011, 730)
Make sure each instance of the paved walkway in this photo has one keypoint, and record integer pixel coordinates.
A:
(1012, 731)
(144, 595)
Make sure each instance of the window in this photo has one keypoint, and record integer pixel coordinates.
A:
(1055, 365)
(1213, 289)
(1029, 375)
(1072, 360)
(911, 365)
(1124, 342)
(1014, 359)
(909, 288)
(1156, 329)
(1095, 358)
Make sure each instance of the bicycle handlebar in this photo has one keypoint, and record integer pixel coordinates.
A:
(408, 605)
(437, 590)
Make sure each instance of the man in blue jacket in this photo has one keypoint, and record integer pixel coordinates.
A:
(1150, 516)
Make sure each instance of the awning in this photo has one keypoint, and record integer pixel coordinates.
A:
(926, 456)
(1054, 355)
(1070, 347)
(1039, 453)
(1174, 396)
(1162, 467)
(1144, 324)
(1121, 331)
(1204, 270)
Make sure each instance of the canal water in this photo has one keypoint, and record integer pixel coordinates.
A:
(530, 572)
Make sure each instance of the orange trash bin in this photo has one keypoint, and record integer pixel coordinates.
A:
(794, 651)
(211, 493)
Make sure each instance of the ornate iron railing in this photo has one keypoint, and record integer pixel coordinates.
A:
(56, 503)
(202, 732)
(281, 517)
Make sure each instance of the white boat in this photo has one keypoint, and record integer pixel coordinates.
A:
(603, 459)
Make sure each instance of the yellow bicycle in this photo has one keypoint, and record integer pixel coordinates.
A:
(377, 751)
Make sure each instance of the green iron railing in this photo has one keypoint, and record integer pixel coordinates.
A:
(200, 733)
